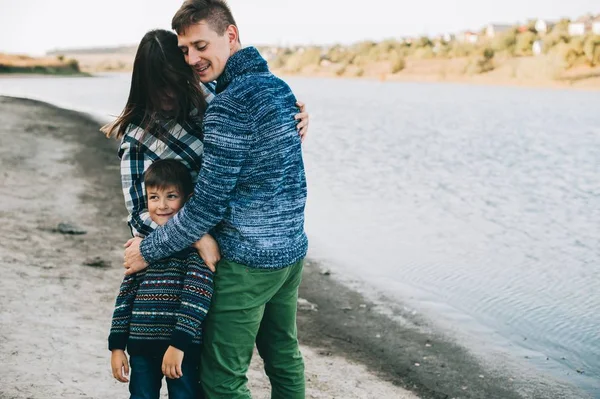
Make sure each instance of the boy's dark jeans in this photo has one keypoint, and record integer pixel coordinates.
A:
(146, 379)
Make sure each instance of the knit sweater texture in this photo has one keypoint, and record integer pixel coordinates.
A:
(163, 305)
(251, 189)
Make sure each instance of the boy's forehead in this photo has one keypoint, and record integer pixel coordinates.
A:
(162, 189)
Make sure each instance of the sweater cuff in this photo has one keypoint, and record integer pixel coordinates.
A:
(117, 341)
(144, 250)
(180, 340)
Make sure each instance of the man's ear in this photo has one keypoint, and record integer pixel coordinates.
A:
(233, 35)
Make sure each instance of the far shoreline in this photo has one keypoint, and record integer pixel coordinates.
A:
(21, 74)
(478, 80)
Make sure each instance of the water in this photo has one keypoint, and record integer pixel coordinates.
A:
(478, 205)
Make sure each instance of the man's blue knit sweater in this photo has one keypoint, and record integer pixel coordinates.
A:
(251, 189)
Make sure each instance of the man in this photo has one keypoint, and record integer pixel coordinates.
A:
(250, 195)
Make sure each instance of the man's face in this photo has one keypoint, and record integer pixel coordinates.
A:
(205, 50)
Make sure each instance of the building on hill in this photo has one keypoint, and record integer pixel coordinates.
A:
(596, 25)
(581, 26)
(544, 26)
(538, 47)
(467, 37)
(495, 29)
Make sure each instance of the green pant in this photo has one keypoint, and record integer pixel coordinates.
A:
(252, 305)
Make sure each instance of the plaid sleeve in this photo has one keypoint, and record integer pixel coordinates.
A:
(134, 161)
(209, 90)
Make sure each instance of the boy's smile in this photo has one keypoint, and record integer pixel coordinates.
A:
(164, 203)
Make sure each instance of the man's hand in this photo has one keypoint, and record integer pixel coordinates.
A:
(134, 261)
(209, 251)
(302, 118)
(171, 365)
(119, 365)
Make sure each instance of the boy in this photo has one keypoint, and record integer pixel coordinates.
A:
(159, 311)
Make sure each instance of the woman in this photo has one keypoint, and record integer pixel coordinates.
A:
(163, 119)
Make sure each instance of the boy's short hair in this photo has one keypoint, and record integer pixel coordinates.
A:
(169, 172)
(215, 12)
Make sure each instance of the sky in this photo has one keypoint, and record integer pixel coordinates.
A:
(36, 26)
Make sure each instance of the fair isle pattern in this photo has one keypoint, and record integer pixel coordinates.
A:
(137, 152)
(252, 184)
(161, 306)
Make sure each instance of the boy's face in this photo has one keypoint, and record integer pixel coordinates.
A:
(163, 204)
(206, 51)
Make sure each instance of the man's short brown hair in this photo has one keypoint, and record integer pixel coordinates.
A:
(215, 12)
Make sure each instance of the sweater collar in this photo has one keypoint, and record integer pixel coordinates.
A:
(242, 62)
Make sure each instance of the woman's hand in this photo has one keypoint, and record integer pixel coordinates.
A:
(119, 365)
(302, 119)
(209, 251)
(133, 260)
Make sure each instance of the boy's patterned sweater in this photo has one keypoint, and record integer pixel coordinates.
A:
(163, 305)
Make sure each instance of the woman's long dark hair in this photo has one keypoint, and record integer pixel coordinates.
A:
(160, 74)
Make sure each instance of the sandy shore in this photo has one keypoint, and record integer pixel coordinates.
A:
(57, 290)
(55, 312)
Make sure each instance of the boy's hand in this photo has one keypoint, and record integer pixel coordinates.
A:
(171, 365)
(119, 365)
(209, 251)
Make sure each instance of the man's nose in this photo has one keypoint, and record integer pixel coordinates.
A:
(193, 56)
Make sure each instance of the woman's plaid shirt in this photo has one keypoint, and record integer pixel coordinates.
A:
(139, 149)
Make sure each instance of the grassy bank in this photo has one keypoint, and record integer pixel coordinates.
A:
(22, 64)
(542, 71)
(516, 55)
(523, 71)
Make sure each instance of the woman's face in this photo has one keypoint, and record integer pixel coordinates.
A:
(167, 101)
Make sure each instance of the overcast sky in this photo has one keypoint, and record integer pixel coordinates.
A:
(36, 26)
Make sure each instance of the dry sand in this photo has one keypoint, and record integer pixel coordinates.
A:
(55, 310)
